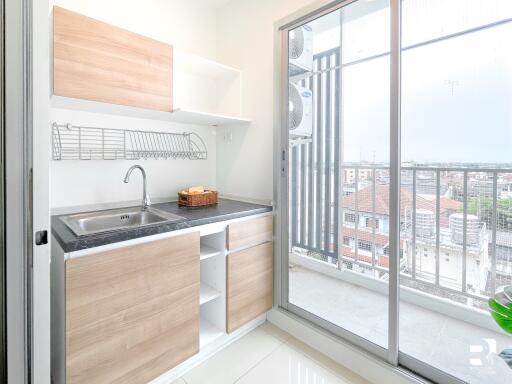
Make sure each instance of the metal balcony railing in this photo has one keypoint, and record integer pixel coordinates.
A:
(456, 223)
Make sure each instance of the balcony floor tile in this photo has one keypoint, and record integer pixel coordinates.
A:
(429, 336)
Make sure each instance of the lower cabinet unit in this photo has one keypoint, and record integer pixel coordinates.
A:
(132, 313)
(249, 284)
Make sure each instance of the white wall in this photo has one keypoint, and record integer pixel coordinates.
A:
(245, 40)
(83, 182)
(189, 26)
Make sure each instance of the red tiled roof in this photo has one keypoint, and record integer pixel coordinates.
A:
(365, 236)
(380, 239)
(365, 203)
(450, 204)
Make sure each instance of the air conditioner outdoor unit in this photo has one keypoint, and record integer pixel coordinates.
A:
(300, 113)
(300, 50)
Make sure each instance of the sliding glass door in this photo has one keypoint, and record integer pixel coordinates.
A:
(338, 117)
(456, 227)
(397, 180)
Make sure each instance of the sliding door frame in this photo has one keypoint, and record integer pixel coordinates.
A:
(391, 354)
(282, 190)
(394, 182)
(16, 162)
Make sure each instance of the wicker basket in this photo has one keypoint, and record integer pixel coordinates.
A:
(197, 199)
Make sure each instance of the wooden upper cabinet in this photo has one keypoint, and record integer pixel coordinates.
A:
(250, 232)
(97, 61)
(132, 313)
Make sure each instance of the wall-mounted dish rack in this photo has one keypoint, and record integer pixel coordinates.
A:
(71, 142)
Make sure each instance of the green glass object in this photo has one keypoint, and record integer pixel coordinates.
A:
(505, 322)
(500, 308)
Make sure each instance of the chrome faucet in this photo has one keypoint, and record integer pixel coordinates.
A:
(146, 202)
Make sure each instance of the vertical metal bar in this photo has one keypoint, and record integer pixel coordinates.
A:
(124, 145)
(374, 218)
(339, 195)
(341, 219)
(311, 187)
(318, 184)
(438, 214)
(303, 195)
(336, 163)
(394, 193)
(356, 213)
(327, 164)
(413, 232)
(80, 143)
(494, 227)
(310, 182)
(293, 187)
(310, 195)
(464, 231)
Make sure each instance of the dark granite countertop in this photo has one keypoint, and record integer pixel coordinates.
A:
(224, 210)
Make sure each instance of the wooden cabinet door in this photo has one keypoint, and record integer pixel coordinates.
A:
(250, 232)
(249, 284)
(97, 61)
(132, 313)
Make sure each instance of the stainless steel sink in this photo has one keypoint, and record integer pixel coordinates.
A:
(83, 224)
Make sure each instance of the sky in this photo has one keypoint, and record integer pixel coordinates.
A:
(456, 94)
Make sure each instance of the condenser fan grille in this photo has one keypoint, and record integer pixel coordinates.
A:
(296, 43)
(295, 108)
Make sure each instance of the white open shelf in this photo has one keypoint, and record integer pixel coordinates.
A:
(199, 66)
(208, 333)
(206, 92)
(213, 285)
(207, 293)
(178, 115)
(207, 252)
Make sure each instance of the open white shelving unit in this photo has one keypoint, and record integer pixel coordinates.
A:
(207, 252)
(205, 118)
(204, 93)
(207, 294)
(213, 287)
(200, 66)
(208, 333)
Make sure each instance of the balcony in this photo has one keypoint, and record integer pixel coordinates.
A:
(431, 329)
(455, 253)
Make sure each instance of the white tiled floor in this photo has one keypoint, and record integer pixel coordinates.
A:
(429, 336)
(269, 355)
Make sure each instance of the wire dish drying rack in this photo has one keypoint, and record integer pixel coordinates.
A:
(71, 142)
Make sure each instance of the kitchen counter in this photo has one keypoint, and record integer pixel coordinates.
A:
(224, 210)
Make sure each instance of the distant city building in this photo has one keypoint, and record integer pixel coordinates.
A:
(503, 258)
(480, 188)
(451, 258)
(426, 183)
(362, 175)
(370, 217)
(505, 190)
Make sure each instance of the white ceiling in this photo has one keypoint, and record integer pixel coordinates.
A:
(216, 3)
